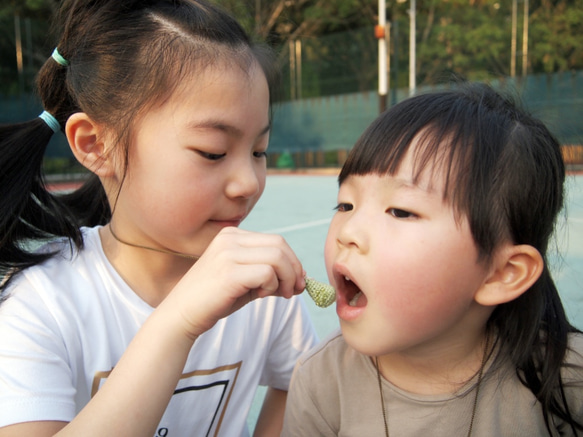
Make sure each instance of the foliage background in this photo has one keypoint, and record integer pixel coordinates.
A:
(328, 56)
(471, 38)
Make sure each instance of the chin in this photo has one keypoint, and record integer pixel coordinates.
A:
(361, 342)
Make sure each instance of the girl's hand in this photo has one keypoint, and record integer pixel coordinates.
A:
(237, 267)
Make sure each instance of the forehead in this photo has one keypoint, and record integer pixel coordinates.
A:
(212, 78)
(426, 164)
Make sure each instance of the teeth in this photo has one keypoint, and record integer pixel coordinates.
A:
(354, 300)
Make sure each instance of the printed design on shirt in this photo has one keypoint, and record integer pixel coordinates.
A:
(199, 402)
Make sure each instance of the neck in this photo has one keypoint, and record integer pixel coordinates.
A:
(443, 372)
(149, 273)
(154, 249)
(485, 356)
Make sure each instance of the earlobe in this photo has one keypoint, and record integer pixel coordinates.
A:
(515, 269)
(86, 140)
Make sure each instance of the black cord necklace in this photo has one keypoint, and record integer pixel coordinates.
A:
(155, 249)
(474, 407)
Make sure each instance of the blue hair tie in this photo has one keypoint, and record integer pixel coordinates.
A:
(58, 58)
(51, 121)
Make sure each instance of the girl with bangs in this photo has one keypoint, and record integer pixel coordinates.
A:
(451, 324)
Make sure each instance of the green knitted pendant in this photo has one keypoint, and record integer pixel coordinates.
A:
(322, 294)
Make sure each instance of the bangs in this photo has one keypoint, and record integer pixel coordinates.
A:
(443, 143)
(469, 137)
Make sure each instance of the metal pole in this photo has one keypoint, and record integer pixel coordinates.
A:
(292, 69)
(257, 16)
(395, 62)
(525, 40)
(380, 35)
(19, 61)
(299, 84)
(388, 72)
(412, 48)
(513, 42)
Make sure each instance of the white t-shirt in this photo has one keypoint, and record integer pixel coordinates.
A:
(66, 323)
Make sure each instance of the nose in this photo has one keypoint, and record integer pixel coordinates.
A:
(247, 180)
(353, 230)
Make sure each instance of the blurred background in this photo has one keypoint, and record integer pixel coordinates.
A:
(344, 61)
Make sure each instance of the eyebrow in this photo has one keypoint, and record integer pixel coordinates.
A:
(223, 127)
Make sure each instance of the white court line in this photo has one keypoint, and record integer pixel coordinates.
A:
(574, 219)
(298, 226)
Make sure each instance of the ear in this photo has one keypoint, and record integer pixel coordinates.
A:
(515, 269)
(87, 141)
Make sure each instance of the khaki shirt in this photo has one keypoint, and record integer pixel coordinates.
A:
(334, 392)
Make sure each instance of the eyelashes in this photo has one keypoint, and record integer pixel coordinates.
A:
(401, 213)
(343, 207)
(395, 212)
(212, 156)
(218, 156)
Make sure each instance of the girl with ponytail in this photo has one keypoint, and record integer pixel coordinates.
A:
(146, 311)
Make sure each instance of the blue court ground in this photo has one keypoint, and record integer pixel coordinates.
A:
(299, 207)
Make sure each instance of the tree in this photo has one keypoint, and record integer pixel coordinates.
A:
(470, 38)
(23, 30)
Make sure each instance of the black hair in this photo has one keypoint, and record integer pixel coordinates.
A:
(124, 56)
(505, 173)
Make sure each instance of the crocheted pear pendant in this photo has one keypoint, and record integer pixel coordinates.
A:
(322, 294)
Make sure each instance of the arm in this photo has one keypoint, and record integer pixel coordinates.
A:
(270, 419)
(237, 267)
(124, 405)
(41, 428)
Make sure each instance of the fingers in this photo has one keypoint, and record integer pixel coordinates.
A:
(270, 265)
(237, 267)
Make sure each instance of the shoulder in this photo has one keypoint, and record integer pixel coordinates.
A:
(66, 253)
(330, 348)
(573, 363)
(575, 345)
(572, 376)
(332, 358)
(61, 277)
(327, 389)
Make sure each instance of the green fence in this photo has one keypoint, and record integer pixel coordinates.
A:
(329, 93)
(335, 122)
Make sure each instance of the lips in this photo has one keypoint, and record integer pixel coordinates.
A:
(234, 221)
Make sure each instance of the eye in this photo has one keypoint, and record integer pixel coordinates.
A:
(260, 154)
(343, 207)
(211, 156)
(401, 213)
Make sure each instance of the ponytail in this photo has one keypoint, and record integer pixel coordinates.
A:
(28, 210)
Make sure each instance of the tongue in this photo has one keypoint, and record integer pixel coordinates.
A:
(358, 300)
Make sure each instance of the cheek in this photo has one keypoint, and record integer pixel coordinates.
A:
(261, 177)
(330, 249)
(434, 294)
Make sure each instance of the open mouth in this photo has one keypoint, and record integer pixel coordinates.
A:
(353, 295)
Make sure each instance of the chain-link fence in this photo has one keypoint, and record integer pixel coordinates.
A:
(328, 96)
